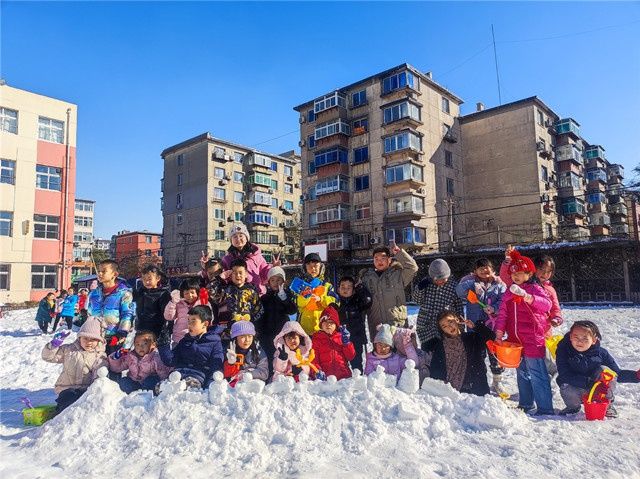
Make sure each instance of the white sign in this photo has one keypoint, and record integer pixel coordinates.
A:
(321, 249)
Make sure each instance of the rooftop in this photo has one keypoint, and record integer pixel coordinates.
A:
(496, 109)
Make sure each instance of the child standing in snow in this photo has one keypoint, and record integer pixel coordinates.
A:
(244, 355)
(213, 282)
(143, 363)
(581, 359)
(67, 309)
(384, 355)
(151, 299)
(83, 296)
(310, 306)
(523, 316)
(354, 303)
(176, 312)
(293, 351)
(58, 309)
(46, 312)
(80, 359)
(332, 345)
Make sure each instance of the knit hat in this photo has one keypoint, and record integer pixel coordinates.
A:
(238, 228)
(240, 328)
(330, 313)
(521, 263)
(91, 329)
(384, 335)
(439, 269)
(276, 271)
(312, 257)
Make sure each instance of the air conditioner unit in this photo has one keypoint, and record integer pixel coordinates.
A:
(301, 143)
(227, 177)
(540, 146)
(223, 182)
(560, 218)
(270, 190)
(296, 185)
(302, 119)
(420, 191)
(229, 218)
(374, 240)
(282, 225)
(290, 178)
(549, 123)
(221, 223)
(218, 155)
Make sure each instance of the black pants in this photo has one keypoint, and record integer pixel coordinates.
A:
(44, 326)
(67, 319)
(356, 363)
(67, 397)
(494, 365)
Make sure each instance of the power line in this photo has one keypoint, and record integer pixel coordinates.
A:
(572, 34)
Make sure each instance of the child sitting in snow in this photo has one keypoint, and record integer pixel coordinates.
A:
(383, 353)
(143, 363)
(293, 351)
(332, 345)
(580, 360)
(244, 355)
(81, 360)
(199, 354)
(459, 358)
(177, 310)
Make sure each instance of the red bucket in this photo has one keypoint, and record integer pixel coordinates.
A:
(595, 411)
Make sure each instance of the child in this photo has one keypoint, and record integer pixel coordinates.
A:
(384, 355)
(46, 312)
(177, 310)
(213, 282)
(199, 354)
(81, 360)
(332, 345)
(580, 360)
(459, 358)
(151, 299)
(111, 301)
(83, 296)
(278, 304)
(58, 309)
(143, 363)
(293, 350)
(434, 294)
(310, 307)
(489, 290)
(523, 315)
(354, 302)
(67, 308)
(244, 355)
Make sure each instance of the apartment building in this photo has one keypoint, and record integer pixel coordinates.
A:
(102, 244)
(134, 249)
(210, 183)
(82, 238)
(381, 162)
(37, 193)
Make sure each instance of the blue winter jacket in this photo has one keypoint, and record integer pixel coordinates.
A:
(115, 309)
(491, 296)
(195, 356)
(69, 305)
(581, 370)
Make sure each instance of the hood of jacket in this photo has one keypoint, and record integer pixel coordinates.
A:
(294, 326)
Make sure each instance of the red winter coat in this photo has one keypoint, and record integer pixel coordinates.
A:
(332, 357)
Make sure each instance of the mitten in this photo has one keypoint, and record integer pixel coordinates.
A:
(59, 338)
(638, 373)
(119, 353)
(295, 370)
(282, 294)
(282, 354)
(231, 354)
(175, 296)
(321, 376)
(346, 335)
(517, 290)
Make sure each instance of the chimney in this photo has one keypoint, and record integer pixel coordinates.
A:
(479, 106)
(429, 75)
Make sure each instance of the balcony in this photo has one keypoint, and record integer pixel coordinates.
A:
(569, 153)
(405, 114)
(594, 163)
(404, 143)
(406, 207)
(616, 172)
(404, 174)
(596, 179)
(595, 197)
(260, 162)
(594, 151)
(568, 126)
(600, 230)
(616, 189)
(400, 84)
(621, 229)
(619, 209)
(574, 207)
(330, 106)
(575, 232)
(599, 219)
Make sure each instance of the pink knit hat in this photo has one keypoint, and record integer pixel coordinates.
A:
(91, 329)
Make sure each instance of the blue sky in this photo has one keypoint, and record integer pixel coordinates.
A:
(148, 75)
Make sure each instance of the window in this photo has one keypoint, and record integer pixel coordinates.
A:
(363, 212)
(9, 120)
(180, 159)
(311, 167)
(179, 177)
(45, 226)
(83, 221)
(331, 185)
(288, 205)
(288, 170)
(311, 116)
(179, 218)
(360, 126)
(540, 118)
(332, 128)
(147, 252)
(5, 276)
(328, 157)
(403, 172)
(450, 187)
(43, 277)
(264, 180)
(219, 214)
(445, 105)
(361, 240)
(8, 172)
(399, 111)
(313, 219)
(179, 200)
(361, 183)
(448, 158)
(405, 204)
(329, 101)
(238, 197)
(274, 166)
(360, 155)
(402, 141)
(6, 223)
(288, 188)
(359, 98)
(218, 173)
(83, 237)
(239, 216)
(399, 80)
(219, 194)
(311, 141)
(332, 213)
(337, 241)
(274, 202)
(549, 230)
(238, 157)
(50, 130)
(238, 176)
(81, 206)
(260, 198)
(219, 152)
(407, 235)
(48, 178)
(261, 217)
(218, 235)
(544, 174)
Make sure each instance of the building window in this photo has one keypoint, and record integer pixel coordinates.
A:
(148, 239)
(179, 219)
(179, 179)
(264, 180)
(407, 171)
(450, 187)
(80, 206)
(274, 166)
(311, 141)
(332, 213)
(329, 101)
(331, 185)
(445, 105)
(288, 188)
(274, 202)
(399, 80)
(360, 155)
(48, 178)
(8, 172)
(327, 157)
(549, 230)
(179, 200)
(43, 277)
(219, 194)
(360, 126)
(544, 173)
(50, 130)
(288, 205)
(402, 141)
(361, 183)
(6, 223)
(409, 235)
(288, 170)
(239, 216)
(540, 118)
(359, 98)
(311, 167)
(85, 221)
(313, 219)
(337, 241)
(9, 120)
(147, 252)
(238, 197)
(311, 116)
(218, 173)
(405, 204)
(361, 240)
(218, 152)
(332, 128)
(260, 217)
(180, 159)
(5, 276)
(448, 158)
(399, 111)
(238, 157)
(218, 235)
(363, 212)
(238, 177)
(260, 198)
(45, 226)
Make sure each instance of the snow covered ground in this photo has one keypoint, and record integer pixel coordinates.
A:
(353, 429)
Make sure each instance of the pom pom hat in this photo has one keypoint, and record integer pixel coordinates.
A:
(521, 263)
(330, 313)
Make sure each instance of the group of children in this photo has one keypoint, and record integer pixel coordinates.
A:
(240, 316)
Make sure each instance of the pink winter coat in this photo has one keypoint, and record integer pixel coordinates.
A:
(284, 368)
(140, 368)
(178, 312)
(257, 266)
(394, 364)
(525, 323)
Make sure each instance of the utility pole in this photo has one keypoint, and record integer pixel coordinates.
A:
(449, 202)
(185, 237)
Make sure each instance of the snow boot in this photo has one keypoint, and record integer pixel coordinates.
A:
(193, 383)
(569, 410)
(611, 412)
(498, 388)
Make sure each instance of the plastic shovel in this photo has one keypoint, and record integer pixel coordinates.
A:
(472, 297)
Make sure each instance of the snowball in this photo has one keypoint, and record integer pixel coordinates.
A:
(103, 372)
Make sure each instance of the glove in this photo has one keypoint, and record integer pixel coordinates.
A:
(119, 353)
(231, 355)
(59, 338)
(295, 370)
(282, 354)
(346, 335)
(406, 337)
(638, 373)
(175, 296)
(121, 335)
(517, 290)
(321, 376)
(478, 289)
(282, 294)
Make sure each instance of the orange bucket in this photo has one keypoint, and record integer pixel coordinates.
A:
(508, 354)
(595, 411)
